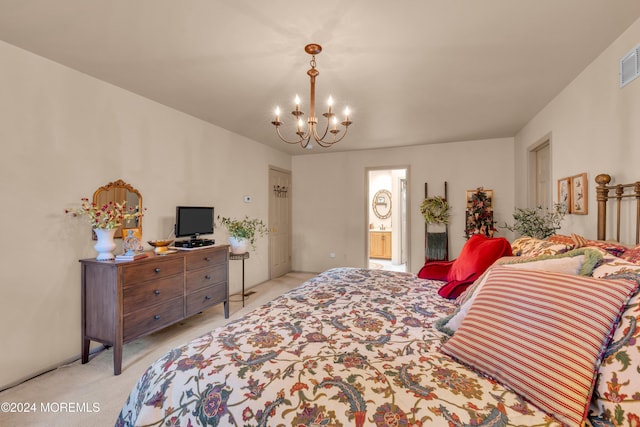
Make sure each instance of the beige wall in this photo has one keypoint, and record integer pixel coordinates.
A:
(63, 134)
(330, 200)
(594, 127)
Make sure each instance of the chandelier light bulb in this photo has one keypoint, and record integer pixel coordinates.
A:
(330, 101)
(297, 101)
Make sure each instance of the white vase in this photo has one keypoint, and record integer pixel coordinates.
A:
(238, 246)
(105, 244)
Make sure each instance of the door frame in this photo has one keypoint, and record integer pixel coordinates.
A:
(532, 185)
(290, 208)
(367, 219)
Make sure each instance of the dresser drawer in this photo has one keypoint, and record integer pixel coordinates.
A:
(206, 257)
(144, 294)
(153, 269)
(198, 301)
(206, 277)
(149, 319)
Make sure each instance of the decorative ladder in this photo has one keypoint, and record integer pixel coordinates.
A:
(436, 243)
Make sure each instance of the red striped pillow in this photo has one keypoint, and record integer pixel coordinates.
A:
(579, 241)
(544, 337)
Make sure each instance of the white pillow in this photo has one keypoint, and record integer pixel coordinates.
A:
(566, 265)
(454, 323)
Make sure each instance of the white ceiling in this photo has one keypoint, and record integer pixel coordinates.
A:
(412, 71)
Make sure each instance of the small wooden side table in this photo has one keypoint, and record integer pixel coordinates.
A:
(242, 257)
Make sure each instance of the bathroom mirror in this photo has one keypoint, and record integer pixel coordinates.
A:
(382, 204)
(118, 192)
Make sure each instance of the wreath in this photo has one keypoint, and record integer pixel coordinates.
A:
(435, 210)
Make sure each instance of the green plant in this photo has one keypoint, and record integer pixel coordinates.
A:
(537, 222)
(435, 210)
(108, 216)
(245, 228)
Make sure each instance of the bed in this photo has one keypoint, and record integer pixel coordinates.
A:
(378, 348)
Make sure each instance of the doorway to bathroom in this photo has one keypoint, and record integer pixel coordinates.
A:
(387, 226)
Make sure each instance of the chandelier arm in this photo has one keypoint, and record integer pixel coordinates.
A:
(326, 129)
(315, 134)
(326, 144)
(298, 141)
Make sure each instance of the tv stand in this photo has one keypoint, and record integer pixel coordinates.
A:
(193, 243)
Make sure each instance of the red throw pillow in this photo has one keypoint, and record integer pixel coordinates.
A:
(478, 254)
(435, 270)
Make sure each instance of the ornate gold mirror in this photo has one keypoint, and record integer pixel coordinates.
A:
(119, 192)
(382, 204)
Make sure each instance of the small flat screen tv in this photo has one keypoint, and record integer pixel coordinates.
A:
(192, 221)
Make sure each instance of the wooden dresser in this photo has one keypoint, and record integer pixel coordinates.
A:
(122, 301)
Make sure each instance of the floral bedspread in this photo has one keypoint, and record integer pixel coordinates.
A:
(350, 347)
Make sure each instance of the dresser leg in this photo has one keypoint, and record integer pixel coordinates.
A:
(226, 309)
(117, 358)
(85, 350)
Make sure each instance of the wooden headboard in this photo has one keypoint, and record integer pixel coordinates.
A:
(620, 193)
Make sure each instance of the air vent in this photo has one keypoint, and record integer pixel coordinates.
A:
(630, 66)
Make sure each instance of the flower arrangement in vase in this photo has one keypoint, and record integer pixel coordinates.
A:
(243, 232)
(108, 216)
(104, 219)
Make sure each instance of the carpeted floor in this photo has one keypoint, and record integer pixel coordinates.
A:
(90, 395)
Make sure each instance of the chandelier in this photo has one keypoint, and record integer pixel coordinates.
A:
(330, 135)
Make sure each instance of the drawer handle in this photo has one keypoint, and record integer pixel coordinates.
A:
(207, 277)
(207, 259)
(207, 297)
(157, 292)
(156, 317)
(157, 270)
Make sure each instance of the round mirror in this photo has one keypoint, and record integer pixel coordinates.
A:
(382, 204)
(119, 192)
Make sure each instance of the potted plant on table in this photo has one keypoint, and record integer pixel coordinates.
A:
(243, 232)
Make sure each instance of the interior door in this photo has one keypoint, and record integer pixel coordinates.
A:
(403, 221)
(540, 183)
(279, 222)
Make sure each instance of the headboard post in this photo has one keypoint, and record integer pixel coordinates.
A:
(602, 194)
(636, 191)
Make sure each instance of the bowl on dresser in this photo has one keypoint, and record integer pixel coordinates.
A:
(160, 246)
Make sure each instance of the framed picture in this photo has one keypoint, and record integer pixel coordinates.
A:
(132, 240)
(488, 194)
(136, 231)
(579, 193)
(564, 194)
